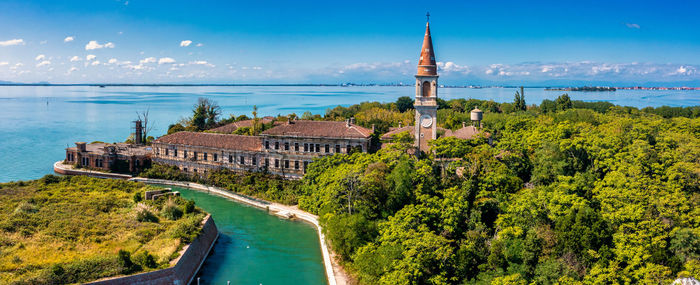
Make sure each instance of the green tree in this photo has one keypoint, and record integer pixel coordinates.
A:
(563, 102)
(404, 103)
(519, 102)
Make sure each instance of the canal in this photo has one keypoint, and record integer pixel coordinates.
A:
(257, 248)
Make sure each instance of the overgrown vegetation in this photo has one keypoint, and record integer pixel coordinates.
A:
(59, 230)
(570, 192)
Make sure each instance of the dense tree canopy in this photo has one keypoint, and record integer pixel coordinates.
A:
(579, 193)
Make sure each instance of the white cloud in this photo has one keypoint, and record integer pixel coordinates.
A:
(68, 39)
(96, 62)
(95, 45)
(164, 60)
(147, 60)
(200, 44)
(90, 57)
(4, 63)
(12, 42)
(75, 58)
(201, 62)
(39, 57)
(632, 26)
(72, 69)
(112, 61)
(43, 42)
(43, 63)
(185, 43)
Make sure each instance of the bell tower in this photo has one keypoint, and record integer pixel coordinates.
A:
(426, 93)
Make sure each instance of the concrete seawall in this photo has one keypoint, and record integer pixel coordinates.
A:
(67, 169)
(185, 267)
(334, 278)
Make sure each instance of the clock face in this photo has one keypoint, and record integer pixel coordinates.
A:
(426, 121)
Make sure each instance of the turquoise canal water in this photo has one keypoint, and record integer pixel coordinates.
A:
(38, 122)
(255, 247)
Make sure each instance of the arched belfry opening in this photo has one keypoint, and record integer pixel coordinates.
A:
(426, 89)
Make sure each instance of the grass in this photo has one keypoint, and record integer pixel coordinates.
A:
(72, 229)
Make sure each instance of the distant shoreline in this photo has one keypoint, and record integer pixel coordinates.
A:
(548, 88)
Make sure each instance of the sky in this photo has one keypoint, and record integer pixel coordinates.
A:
(503, 42)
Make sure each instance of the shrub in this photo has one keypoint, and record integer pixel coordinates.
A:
(145, 259)
(144, 214)
(186, 229)
(171, 211)
(189, 206)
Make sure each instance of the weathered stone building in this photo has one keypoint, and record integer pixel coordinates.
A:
(285, 149)
(120, 157)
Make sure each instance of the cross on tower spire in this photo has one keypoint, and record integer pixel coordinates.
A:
(427, 15)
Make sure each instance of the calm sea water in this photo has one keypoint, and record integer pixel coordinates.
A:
(257, 248)
(37, 123)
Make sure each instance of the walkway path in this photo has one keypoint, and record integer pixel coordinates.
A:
(334, 273)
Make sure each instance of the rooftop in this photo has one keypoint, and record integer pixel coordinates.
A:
(232, 127)
(326, 129)
(237, 142)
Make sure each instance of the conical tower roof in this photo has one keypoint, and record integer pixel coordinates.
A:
(426, 64)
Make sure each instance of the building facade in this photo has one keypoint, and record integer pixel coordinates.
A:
(120, 157)
(286, 149)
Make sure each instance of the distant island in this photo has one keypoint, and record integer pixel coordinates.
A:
(584, 88)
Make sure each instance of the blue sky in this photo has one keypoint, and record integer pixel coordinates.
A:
(476, 42)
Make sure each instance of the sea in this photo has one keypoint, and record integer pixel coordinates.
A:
(38, 122)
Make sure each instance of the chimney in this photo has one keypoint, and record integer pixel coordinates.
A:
(289, 120)
(352, 120)
(347, 123)
(372, 128)
(80, 146)
(464, 124)
(138, 132)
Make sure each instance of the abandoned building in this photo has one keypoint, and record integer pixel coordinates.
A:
(116, 157)
(286, 149)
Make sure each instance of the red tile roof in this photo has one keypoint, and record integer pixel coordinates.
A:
(230, 128)
(394, 131)
(325, 129)
(224, 141)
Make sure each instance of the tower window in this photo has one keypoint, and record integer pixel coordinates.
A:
(426, 89)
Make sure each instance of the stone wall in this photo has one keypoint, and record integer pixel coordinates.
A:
(186, 266)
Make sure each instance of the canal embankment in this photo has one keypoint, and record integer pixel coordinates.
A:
(334, 273)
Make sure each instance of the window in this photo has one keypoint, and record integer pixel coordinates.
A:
(277, 145)
(267, 145)
(286, 146)
(242, 159)
(337, 148)
(348, 148)
(68, 157)
(255, 160)
(195, 170)
(318, 148)
(359, 147)
(194, 157)
(306, 147)
(286, 164)
(85, 161)
(184, 169)
(267, 162)
(277, 163)
(306, 165)
(326, 148)
(216, 157)
(230, 158)
(205, 156)
(166, 152)
(296, 164)
(296, 146)
(175, 152)
(184, 154)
